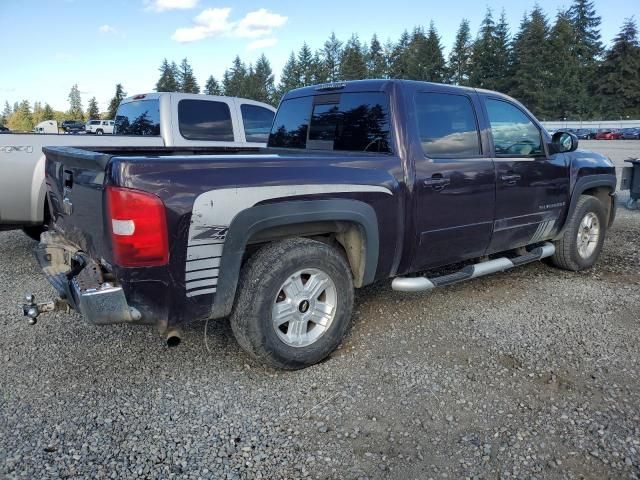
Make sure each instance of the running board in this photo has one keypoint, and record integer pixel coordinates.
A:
(420, 284)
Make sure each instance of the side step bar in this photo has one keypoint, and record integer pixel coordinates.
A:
(420, 284)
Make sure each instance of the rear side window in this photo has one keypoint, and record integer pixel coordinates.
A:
(514, 134)
(141, 118)
(357, 122)
(447, 125)
(257, 122)
(205, 120)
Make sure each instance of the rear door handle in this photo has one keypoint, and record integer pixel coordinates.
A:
(437, 182)
(511, 178)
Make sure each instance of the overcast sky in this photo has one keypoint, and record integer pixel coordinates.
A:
(48, 45)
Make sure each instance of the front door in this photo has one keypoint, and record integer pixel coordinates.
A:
(532, 188)
(455, 181)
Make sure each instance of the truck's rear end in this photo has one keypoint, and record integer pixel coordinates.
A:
(109, 254)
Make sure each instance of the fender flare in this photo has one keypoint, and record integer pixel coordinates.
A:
(255, 219)
(585, 183)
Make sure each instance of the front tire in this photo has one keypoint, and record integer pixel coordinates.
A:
(582, 241)
(294, 303)
(99, 132)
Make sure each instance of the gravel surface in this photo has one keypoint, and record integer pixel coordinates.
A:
(532, 373)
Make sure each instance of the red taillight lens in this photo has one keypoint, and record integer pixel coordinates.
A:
(138, 228)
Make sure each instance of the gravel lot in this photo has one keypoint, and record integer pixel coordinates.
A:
(533, 373)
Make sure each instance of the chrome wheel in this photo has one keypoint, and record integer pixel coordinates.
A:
(304, 307)
(588, 235)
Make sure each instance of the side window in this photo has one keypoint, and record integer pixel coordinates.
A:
(513, 132)
(447, 125)
(205, 120)
(257, 122)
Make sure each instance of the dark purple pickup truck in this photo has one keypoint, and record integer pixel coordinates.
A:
(361, 181)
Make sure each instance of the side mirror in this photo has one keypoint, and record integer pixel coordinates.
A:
(563, 142)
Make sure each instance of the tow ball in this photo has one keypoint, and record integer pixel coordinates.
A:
(33, 310)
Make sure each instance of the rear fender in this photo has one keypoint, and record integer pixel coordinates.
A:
(251, 221)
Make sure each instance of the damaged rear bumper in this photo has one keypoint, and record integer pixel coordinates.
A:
(82, 283)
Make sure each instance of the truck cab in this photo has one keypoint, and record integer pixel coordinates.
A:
(198, 120)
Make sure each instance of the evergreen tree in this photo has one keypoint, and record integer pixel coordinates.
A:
(332, 57)
(48, 113)
(531, 70)
(588, 49)
(234, 81)
(16, 107)
(290, 78)
(619, 74)
(263, 80)
(212, 87)
(305, 65)
(353, 65)
(168, 81)
(400, 57)
(564, 64)
(502, 55)
(115, 101)
(432, 58)
(460, 56)
(6, 113)
(75, 104)
(186, 78)
(93, 112)
(483, 54)
(21, 120)
(376, 63)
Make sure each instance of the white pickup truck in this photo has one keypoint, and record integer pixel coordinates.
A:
(184, 121)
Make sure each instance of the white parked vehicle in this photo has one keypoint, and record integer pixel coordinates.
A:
(46, 126)
(100, 127)
(152, 120)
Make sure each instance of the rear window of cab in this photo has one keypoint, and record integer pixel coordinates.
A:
(356, 122)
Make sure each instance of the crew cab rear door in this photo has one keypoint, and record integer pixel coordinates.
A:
(532, 187)
(454, 179)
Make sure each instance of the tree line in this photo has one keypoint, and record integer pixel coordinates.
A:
(558, 68)
(21, 117)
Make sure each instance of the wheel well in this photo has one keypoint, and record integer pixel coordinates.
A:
(347, 237)
(604, 195)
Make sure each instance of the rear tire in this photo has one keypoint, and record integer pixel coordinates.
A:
(581, 243)
(294, 303)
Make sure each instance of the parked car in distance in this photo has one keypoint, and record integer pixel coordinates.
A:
(630, 134)
(100, 127)
(360, 181)
(72, 126)
(4, 129)
(608, 134)
(46, 126)
(172, 120)
(586, 133)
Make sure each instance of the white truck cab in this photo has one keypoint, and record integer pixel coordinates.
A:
(46, 126)
(197, 120)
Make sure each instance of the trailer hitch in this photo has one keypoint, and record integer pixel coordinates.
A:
(33, 310)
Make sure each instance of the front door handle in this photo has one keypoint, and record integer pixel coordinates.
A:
(437, 182)
(511, 178)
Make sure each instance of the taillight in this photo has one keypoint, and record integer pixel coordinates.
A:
(138, 228)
